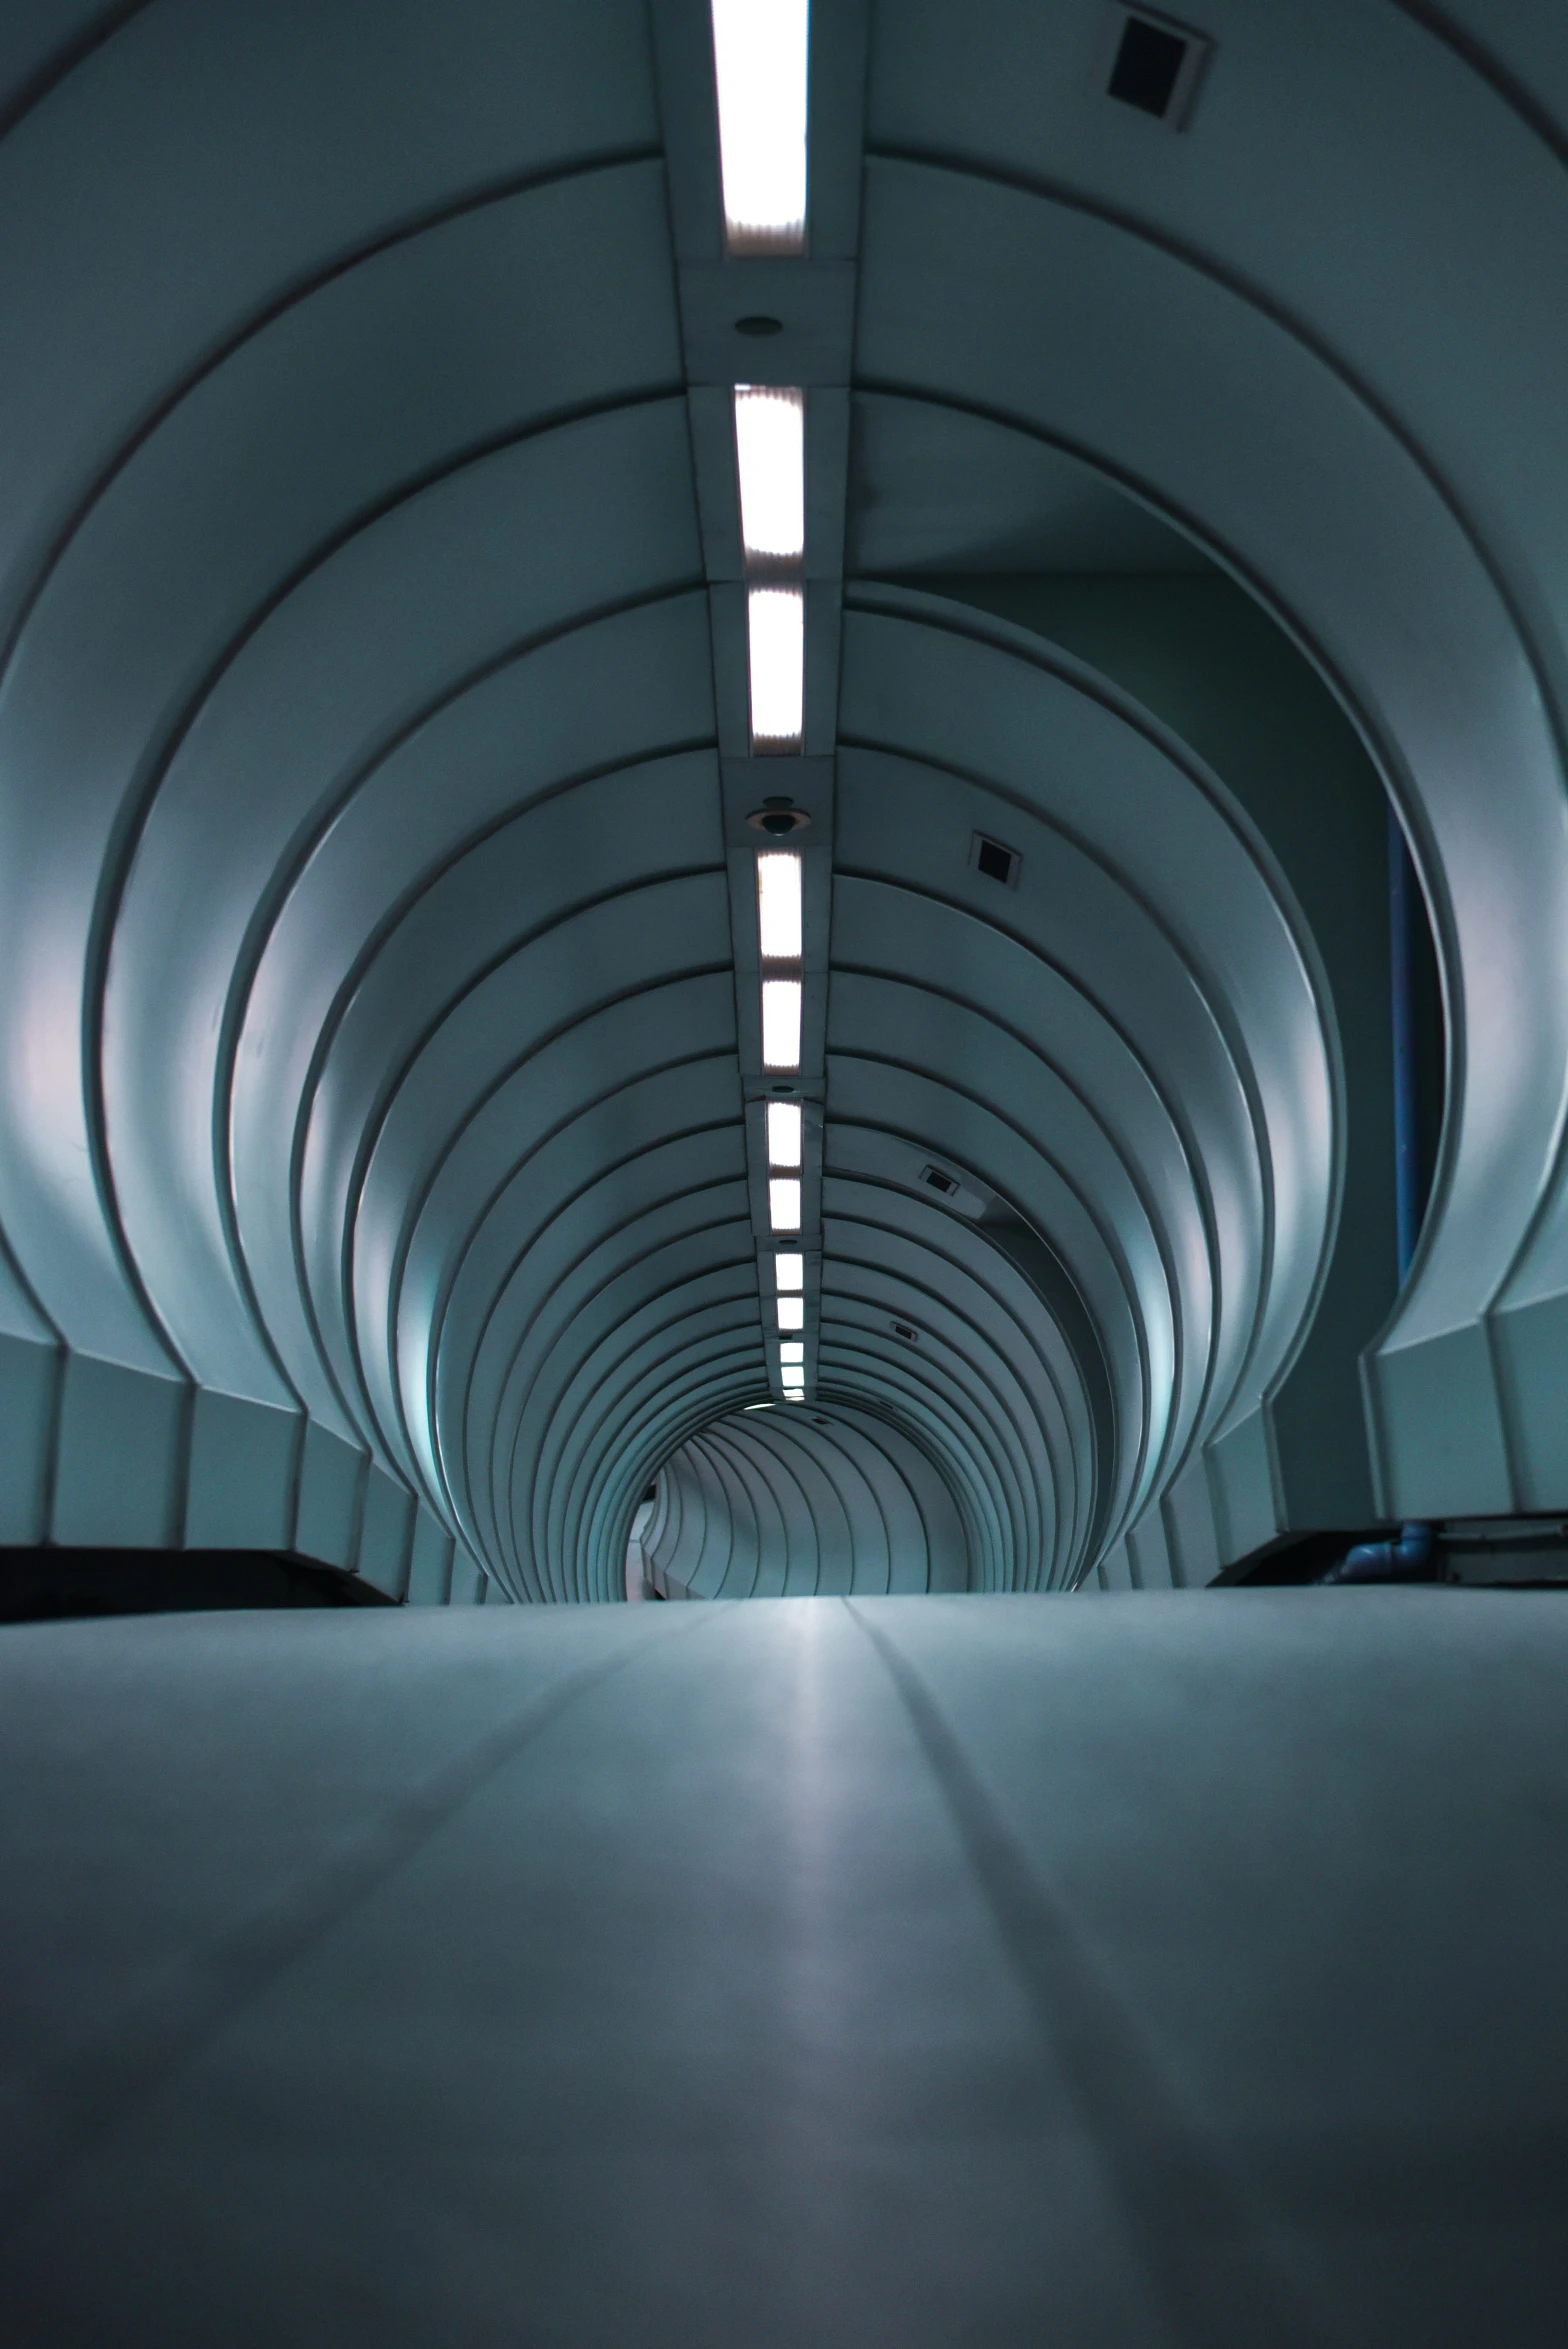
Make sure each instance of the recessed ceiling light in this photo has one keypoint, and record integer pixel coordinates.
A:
(784, 1203)
(784, 1133)
(759, 60)
(770, 450)
(792, 1312)
(789, 1270)
(794, 1394)
(776, 636)
(781, 1023)
(792, 1350)
(778, 904)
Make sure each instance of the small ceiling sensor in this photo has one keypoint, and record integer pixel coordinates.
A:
(936, 1180)
(778, 818)
(759, 323)
(995, 860)
(902, 1329)
(1155, 65)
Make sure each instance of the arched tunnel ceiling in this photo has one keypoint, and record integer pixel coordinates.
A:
(381, 1102)
(777, 1502)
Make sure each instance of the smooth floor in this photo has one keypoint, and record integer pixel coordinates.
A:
(926, 1971)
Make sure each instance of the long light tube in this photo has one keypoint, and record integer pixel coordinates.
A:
(776, 641)
(784, 1203)
(792, 1312)
(789, 1270)
(781, 1023)
(759, 61)
(770, 452)
(784, 1133)
(778, 904)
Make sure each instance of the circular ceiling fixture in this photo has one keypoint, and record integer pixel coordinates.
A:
(778, 817)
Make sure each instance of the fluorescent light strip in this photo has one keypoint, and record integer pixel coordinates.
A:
(784, 1203)
(789, 1270)
(792, 1312)
(778, 904)
(792, 1354)
(784, 1133)
(776, 640)
(781, 1023)
(770, 454)
(760, 50)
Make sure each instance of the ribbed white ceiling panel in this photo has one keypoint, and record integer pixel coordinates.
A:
(1297, 329)
(377, 1130)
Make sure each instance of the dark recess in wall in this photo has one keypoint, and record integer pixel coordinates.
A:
(44, 1585)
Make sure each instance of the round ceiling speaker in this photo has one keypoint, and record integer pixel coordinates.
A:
(778, 818)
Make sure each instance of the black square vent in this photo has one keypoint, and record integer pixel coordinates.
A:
(1154, 66)
(996, 861)
(938, 1181)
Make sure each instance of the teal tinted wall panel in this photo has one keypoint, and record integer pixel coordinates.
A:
(29, 1379)
(1436, 1408)
(1188, 1511)
(331, 1475)
(118, 1471)
(1243, 1487)
(1531, 1345)
(242, 1466)
(430, 1563)
(386, 1533)
(468, 1583)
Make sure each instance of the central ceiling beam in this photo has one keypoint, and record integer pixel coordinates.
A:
(781, 318)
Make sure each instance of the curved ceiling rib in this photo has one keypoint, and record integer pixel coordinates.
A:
(384, 1152)
(1409, 554)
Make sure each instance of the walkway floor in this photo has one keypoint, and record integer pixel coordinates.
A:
(936, 1971)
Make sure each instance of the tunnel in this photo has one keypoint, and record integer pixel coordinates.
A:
(782, 820)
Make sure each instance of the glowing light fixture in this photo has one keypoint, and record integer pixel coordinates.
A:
(759, 62)
(781, 1023)
(792, 1312)
(778, 904)
(794, 1394)
(770, 451)
(789, 1270)
(776, 638)
(784, 1133)
(784, 1203)
(792, 1353)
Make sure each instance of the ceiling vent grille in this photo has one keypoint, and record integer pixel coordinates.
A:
(996, 861)
(902, 1329)
(936, 1180)
(1155, 66)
